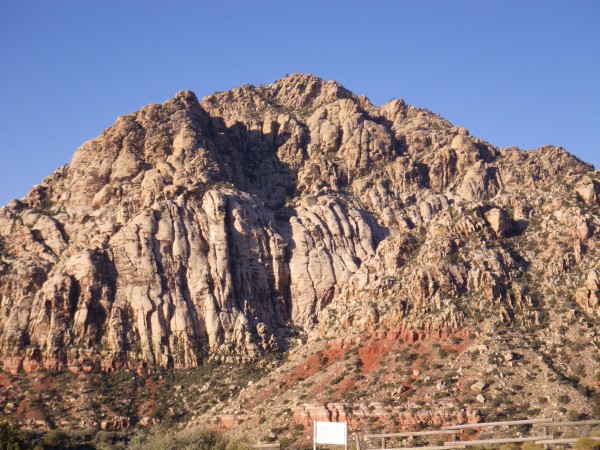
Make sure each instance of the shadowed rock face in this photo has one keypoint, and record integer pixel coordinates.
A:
(190, 230)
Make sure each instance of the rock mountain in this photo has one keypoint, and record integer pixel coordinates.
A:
(259, 217)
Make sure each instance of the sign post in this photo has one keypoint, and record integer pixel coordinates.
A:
(333, 433)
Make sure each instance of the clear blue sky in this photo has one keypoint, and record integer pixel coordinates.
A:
(514, 72)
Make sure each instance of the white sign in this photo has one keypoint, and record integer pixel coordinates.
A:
(331, 433)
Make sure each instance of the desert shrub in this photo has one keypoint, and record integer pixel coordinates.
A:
(577, 416)
(196, 438)
(105, 440)
(10, 437)
(339, 378)
(56, 439)
(595, 402)
(531, 446)
(585, 443)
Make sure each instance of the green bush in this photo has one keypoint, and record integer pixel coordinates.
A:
(10, 437)
(585, 443)
(531, 446)
(56, 439)
(197, 438)
(509, 446)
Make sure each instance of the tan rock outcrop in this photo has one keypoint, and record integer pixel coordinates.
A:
(588, 296)
(119, 423)
(498, 221)
(221, 229)
(588, 189)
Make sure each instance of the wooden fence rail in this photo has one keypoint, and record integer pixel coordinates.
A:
(562, 441)
(412, 433)
(433, 447)
(454, 430)
(499, 441)
(579, 423)
(275, 445)
(497, 424)
(384, 436)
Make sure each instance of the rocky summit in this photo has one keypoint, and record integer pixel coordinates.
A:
(296, 218)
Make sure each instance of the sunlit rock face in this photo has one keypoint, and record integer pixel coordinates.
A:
(218, 229)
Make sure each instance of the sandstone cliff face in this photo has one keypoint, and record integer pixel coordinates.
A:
(216, 229)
